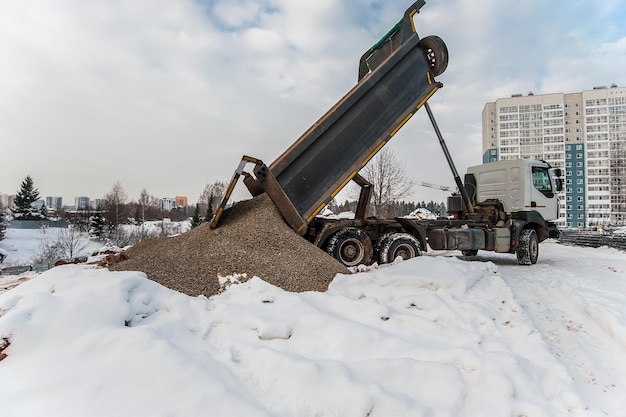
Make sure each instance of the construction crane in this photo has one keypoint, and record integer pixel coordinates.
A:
(439, 187)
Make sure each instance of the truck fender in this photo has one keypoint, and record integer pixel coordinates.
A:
(529, 220)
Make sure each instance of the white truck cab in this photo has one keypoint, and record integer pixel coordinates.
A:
(520, 184)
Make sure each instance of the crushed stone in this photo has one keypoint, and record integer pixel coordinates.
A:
(252, 239)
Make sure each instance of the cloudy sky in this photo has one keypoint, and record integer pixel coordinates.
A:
(168, 95)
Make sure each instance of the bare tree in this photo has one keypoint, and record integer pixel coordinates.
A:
(115, 201)
(67, 244)
(71, 242)
(389, 180)
(143, 202)
(213, 192)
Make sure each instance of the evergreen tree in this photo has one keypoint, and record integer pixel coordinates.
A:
(195, 219)
(97, 224)
(209, 209)
(24, 200)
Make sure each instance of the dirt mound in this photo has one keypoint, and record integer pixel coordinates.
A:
(252, 238)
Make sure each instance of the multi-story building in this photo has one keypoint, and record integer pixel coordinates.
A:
(168, 203)
(96, 203)
(54, 203)
(181, 201)
(81, 203)
(6, 200)
(582, 133)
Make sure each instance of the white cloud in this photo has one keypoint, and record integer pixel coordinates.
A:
(169, 95)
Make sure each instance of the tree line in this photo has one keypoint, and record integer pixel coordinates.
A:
(387, 175)
(114, 210)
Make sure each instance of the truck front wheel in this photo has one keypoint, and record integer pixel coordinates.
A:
(392, 245)
(351, 246)
(527, 247)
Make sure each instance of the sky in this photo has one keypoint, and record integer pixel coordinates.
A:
(436, 335)
(169, 95)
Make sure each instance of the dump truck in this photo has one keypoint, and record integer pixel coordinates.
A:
(396, 78)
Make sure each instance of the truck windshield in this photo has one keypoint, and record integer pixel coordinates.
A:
(541, 181)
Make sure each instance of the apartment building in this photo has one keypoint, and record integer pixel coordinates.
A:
(54, 202)
(582, 133)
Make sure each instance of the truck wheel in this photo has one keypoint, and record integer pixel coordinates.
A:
(351, 246)
(392, 245)
(436, 54)
(527, 247)
(470, 252)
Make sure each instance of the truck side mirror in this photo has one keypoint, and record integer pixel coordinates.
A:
(558, 181)
(559, 185)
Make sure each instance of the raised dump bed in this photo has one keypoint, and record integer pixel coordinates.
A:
(396, 78)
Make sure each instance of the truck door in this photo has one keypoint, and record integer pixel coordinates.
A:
(542, 195)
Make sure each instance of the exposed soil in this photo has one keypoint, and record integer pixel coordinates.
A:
(252, 238)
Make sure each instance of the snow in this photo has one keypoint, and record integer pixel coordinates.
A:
(438, 335)
(422, 214)
(23, 246)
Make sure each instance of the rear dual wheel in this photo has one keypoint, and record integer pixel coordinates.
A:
(351, 246)
(392, 245)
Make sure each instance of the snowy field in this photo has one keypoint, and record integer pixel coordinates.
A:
(433, 336)
(25, 246)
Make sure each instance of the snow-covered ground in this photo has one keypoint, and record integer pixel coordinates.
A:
(24, 246)
(432, 336)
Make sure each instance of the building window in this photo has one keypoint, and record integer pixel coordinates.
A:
(579, 156)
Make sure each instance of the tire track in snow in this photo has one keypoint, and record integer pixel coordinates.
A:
(579, 311)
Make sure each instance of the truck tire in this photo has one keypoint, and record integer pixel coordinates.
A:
(470, 252)
(351, 246)
(527, 247)
(392, 245)
(436, 54)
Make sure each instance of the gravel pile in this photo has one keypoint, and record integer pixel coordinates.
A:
(252, 238)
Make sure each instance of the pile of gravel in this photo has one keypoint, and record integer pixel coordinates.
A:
(252, 239)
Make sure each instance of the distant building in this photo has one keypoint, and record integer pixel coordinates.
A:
(81, 203)
(168, 203)
(96, 202)
(582, 133)
(54, 203)
(181, 201)
(6, 200)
